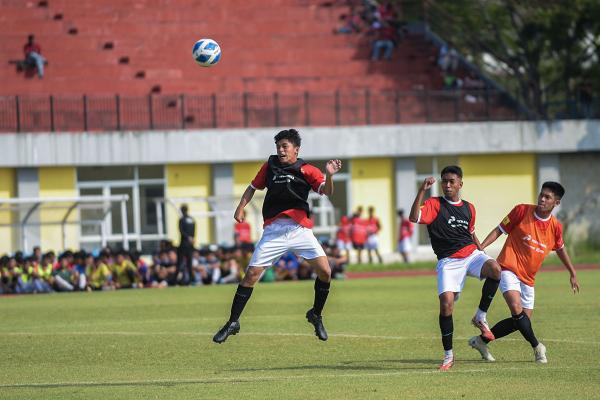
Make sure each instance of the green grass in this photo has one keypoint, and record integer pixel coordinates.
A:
(384, 343)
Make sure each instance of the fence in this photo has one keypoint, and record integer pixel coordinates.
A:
(120, 113)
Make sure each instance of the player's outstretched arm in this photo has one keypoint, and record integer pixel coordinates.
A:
(246, 197)
(566, 260)
(332, 168)
(491, 238)
(414, 211)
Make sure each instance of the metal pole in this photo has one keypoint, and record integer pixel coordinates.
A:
(337, 107)
(397, 106)
(182, 102)
(159, 218)
(51, 113)
(245, 108)
(85, 116)
(214, 110)
(150, 116)
(124, 226)
(276, 108)
(118, 109)
(18, 113)
(306, 109)
(368, 107)
(103, 234)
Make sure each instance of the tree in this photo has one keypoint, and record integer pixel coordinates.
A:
(542, 51)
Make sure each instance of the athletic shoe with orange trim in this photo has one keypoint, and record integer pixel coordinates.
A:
(483, 326)
(447, 363)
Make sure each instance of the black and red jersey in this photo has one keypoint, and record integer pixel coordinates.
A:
(450, 226)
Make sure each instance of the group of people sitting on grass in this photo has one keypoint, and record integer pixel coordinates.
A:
(109, 270)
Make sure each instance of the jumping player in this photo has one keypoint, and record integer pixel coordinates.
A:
(532, 233)
(288, 180)
(451, 225)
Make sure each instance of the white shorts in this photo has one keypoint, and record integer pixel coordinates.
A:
(452, 272)
(342, 245)
(405, 245)
(372, 243)
(281, 236)
(510, 281)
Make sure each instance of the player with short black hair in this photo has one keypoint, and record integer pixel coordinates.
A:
(288, 180)
(451, 225)
(532, 233)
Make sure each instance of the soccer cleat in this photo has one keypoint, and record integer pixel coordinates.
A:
(540, 354)
(447, 363)
(230, 328)
(317, 322)
(483, 326)
(479, 345)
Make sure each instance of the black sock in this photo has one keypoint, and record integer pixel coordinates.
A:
(523, 324)
(447, 329)
(502, 328)
(487, 293)
(242, 295)
(321, 293)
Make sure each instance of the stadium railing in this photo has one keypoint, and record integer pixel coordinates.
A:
(164, 112)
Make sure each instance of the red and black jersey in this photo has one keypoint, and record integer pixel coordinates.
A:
(288, 187)
(450, 227)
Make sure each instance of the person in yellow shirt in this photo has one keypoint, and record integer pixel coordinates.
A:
(98, 273)
(125, 274)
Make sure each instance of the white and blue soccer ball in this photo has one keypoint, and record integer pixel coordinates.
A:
(206, 52)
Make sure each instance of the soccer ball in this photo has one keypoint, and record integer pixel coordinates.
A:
(206, 52)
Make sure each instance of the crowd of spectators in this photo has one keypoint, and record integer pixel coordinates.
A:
(107, 269)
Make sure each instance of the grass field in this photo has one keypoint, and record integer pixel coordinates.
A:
(384, 343)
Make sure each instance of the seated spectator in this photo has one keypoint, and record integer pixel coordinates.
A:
(286, 268)
(64, 280)
(98, 274)
(42, 275)
(351, 23)
(125, 274)
(79, 269)
(385, 39)
(33, 56)
(337, 262)
(230, 269)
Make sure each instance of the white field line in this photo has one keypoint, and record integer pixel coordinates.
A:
(335, 335)
(262, 378)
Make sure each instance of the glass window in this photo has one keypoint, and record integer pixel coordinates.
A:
(104, 173)
(91, 216)
(151, 172)
(148, 215)
(117, 227)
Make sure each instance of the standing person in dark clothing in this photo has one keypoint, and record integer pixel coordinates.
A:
(288, 180)
(187, 232)
(451, 225)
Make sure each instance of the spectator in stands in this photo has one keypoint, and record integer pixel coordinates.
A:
(37, 254)
(351, 22)
(64, 281)
(404, 236)
(286, 269)
(98, 274)
(230, 269)
(187, 232)
(337, 261)
(124, 272)
(385, 39)
(242, 232)
(79, 269)
(33, 56)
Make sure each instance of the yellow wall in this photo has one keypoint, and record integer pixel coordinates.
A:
(189, 180)
(57, 182)
(243, 173)
(372, 184)
(7, 190)
(495, 184)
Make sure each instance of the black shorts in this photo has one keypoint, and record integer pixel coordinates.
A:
(358, 246)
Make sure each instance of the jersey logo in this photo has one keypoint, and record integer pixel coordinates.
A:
(534, 244)
(506, 221)
(283, 178)
(458, 223)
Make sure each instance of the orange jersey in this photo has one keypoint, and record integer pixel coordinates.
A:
(530, 239)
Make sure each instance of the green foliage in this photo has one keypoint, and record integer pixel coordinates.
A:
(541, 50)
(384, 343)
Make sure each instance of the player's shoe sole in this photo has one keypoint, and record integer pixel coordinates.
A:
(230, 328)
(479, 345)
(484, 328)
(540, 354)
(446, 365)
(317, 322)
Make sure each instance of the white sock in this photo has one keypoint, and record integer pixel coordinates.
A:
(480, 315)
(448, 354)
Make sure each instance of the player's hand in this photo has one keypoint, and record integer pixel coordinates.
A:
(428, 183)
(574, 285)
(239, 214)
(333, 166)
